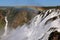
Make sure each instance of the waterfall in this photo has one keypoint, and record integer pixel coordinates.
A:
(37, 29)
(5, 28)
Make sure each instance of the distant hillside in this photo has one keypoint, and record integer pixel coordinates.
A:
(41, 8)
(53, 7)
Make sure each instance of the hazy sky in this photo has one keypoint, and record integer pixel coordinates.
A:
(29, 2)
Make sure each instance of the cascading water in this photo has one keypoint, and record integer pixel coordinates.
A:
(5, 33)
(38, 29)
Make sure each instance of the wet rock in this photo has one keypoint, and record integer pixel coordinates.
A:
(54, 36)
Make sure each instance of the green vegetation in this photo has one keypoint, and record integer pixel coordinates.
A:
(2, 16)
(2, 23)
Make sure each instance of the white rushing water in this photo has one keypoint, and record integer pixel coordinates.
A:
(37, 29)
(5, 33)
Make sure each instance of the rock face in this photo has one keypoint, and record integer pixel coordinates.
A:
(20, 16)
(54, 36)
(17, 16)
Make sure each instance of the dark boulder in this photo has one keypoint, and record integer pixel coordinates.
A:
(54, 36)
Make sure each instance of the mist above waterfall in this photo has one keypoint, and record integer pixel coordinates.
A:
(39, 28)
